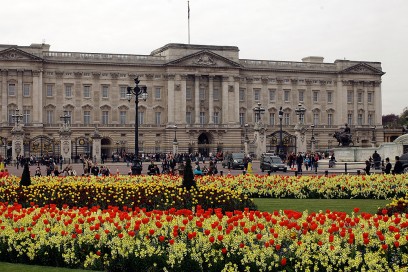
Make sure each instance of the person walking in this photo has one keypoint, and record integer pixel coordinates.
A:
(398, 166)
(388, 166)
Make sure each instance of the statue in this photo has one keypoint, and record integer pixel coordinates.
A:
(344, 138)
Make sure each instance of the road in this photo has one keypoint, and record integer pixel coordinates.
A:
(123, 169)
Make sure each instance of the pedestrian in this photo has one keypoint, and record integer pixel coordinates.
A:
(388, 166)
(398, 166)
(367, 167)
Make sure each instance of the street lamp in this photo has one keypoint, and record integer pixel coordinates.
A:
(246, 140)
(312, 140)
(137, 91)
(65, 118)
(17, 117)
(258, 111)
(300, 110)
(280, 114)
(175, 134)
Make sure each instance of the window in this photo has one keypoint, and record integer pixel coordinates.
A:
(140, 116)
(286, 117)
(50, 116)
(301, 95)
(216, 94)
(370, 97)
(188, 117)
(26, 116)
(26, 90)
(315, 118)
(241, 94)
(272, 95)
(122, 117)
(105, 117)
(330, 97)
(87, 91)
(87, 117)
(188, 94)
(257, 94)
(350, 118)
(105, 91)
(49, 90)
(370, 119)
(329, 119)
(202, 118)
(286, 95)
(272, 118)
(157, 118)
(360, 119)
(68, 113)
(10, 116)
(202, 93)
(241, 118)
(360, 97)
(349, 96)
(68, 90)
(12, 89)
(315, 96)
(216, 118)
(157, 93)
(123, 92)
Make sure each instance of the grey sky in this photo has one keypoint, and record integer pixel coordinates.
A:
(366, 30)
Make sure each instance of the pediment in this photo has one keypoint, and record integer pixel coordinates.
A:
(362, 68)
(15, 54)
(204, 58)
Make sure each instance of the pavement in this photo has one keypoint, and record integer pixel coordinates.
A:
(123, 168)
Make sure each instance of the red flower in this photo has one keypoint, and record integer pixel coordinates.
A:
(120, 235)
(171, 241)
(283, 261)
(32, 235)
(212, 239)
(162, 238)
(220, 237)
(356, 210)
(384, 246)
(151, 231)
(98, 253)
(224, 250)
(97, 236)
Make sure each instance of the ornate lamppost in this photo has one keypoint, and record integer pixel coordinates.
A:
(175, 142)
(259, 129)
(246, 139)
(137, 92)
(312, 140)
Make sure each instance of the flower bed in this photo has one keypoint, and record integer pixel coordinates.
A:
(339, 187)
(202, 240)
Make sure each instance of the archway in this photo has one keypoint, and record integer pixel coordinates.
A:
(204, 141)
(106, 148)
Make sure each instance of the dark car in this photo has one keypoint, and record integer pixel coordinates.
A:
(404, 161)
(234, 161)
(272, 163)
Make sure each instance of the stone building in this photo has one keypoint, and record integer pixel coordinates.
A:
(202, 95)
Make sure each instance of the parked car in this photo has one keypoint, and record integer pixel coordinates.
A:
(234, 161)
(404, 161)
(272, 163)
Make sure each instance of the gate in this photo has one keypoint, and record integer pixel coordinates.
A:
(288, 142)
(40, 146)
(83, 148)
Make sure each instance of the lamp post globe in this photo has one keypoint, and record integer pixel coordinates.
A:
(138, 91)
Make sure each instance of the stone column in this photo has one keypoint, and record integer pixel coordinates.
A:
(65, 140)
(19, 93)
(377, 103)
(236, 99)
(170, 99)
(225, 80)
(37, 97)
(4, 97)
(211, 98)
(301, 141)
(96, 145)
(260, 139)
(183, 98)
(197, 99)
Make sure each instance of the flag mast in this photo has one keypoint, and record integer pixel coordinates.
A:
(188, 10)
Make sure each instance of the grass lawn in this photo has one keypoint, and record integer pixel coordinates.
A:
(315, 205)
(9, 267)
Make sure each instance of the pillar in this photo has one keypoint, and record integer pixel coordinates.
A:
(225, 80)
(96, 145)
(211, 99)
(197, 99)
(17, 142)
(65, 141)
(170, 99)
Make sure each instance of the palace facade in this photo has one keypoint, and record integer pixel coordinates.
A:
(202, 95)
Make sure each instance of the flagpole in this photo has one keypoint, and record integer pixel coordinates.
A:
(188, 6)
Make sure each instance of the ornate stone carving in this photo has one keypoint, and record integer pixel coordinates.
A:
(114, 75)
(264, 80)
(149, 76)
(12, 56)
(205, 60)
(78, 74)
(249, 80)
(294, 81)
(59, 74)
(96, 74)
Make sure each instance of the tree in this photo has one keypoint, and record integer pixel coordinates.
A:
(390, 121)
(188, 177)
(25, 177)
